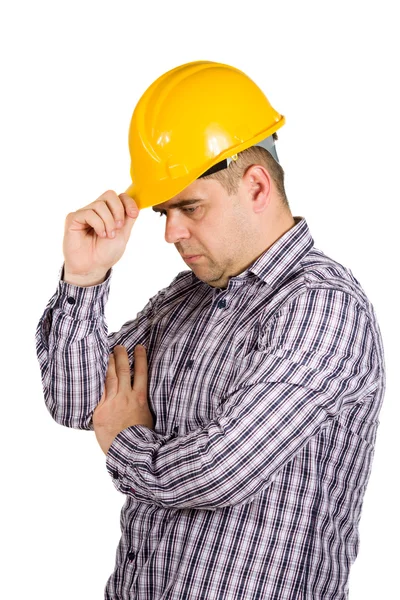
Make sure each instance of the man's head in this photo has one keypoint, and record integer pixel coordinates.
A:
(190, 119)
(229, 218)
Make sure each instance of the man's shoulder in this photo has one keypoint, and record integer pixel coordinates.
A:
(317, 278)
(322, 271)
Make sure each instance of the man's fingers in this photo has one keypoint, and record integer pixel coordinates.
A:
(140, 379)
(130, 205)
(111, 384)
(123, 374)
(122, 368)
(111, 367)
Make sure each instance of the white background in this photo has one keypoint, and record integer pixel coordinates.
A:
(71, 75)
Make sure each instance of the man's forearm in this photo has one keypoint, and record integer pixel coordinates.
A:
(72, 349)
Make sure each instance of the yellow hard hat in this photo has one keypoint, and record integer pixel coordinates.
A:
(190, 119)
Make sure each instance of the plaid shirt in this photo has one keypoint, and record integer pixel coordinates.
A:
(266, 397)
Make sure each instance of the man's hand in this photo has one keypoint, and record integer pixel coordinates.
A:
(122, 405)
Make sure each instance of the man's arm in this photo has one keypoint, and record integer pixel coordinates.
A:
(73, 348)
(317, 359)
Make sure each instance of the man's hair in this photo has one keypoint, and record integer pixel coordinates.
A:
(230, 177)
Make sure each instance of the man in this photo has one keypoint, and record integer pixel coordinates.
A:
(244, 442)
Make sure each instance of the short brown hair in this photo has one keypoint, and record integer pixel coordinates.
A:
(230, 177)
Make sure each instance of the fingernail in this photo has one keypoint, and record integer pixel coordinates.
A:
(119, 223)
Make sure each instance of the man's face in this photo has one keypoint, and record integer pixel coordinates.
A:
(213, 227)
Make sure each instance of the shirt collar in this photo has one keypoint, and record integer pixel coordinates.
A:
(283, 257)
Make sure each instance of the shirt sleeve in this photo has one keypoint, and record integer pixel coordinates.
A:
(314, 359)
(73, 346)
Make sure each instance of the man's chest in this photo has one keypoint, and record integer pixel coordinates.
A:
(194, 359)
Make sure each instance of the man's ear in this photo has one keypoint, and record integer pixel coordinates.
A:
(257, 183)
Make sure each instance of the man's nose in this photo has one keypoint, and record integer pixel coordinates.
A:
(175, 229)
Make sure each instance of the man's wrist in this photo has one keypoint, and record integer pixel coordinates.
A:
(83, 280)
(83, 302)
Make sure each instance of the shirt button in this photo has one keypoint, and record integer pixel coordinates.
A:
(71, 300)
(115, 474)
(131, 555)
(221, 304)
(189, 364)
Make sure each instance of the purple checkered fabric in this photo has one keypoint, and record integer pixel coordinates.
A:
(266, 396)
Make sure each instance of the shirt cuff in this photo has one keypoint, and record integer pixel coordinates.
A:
(83, 303)
(121, 454)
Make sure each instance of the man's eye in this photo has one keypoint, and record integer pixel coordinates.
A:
(162, 213)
